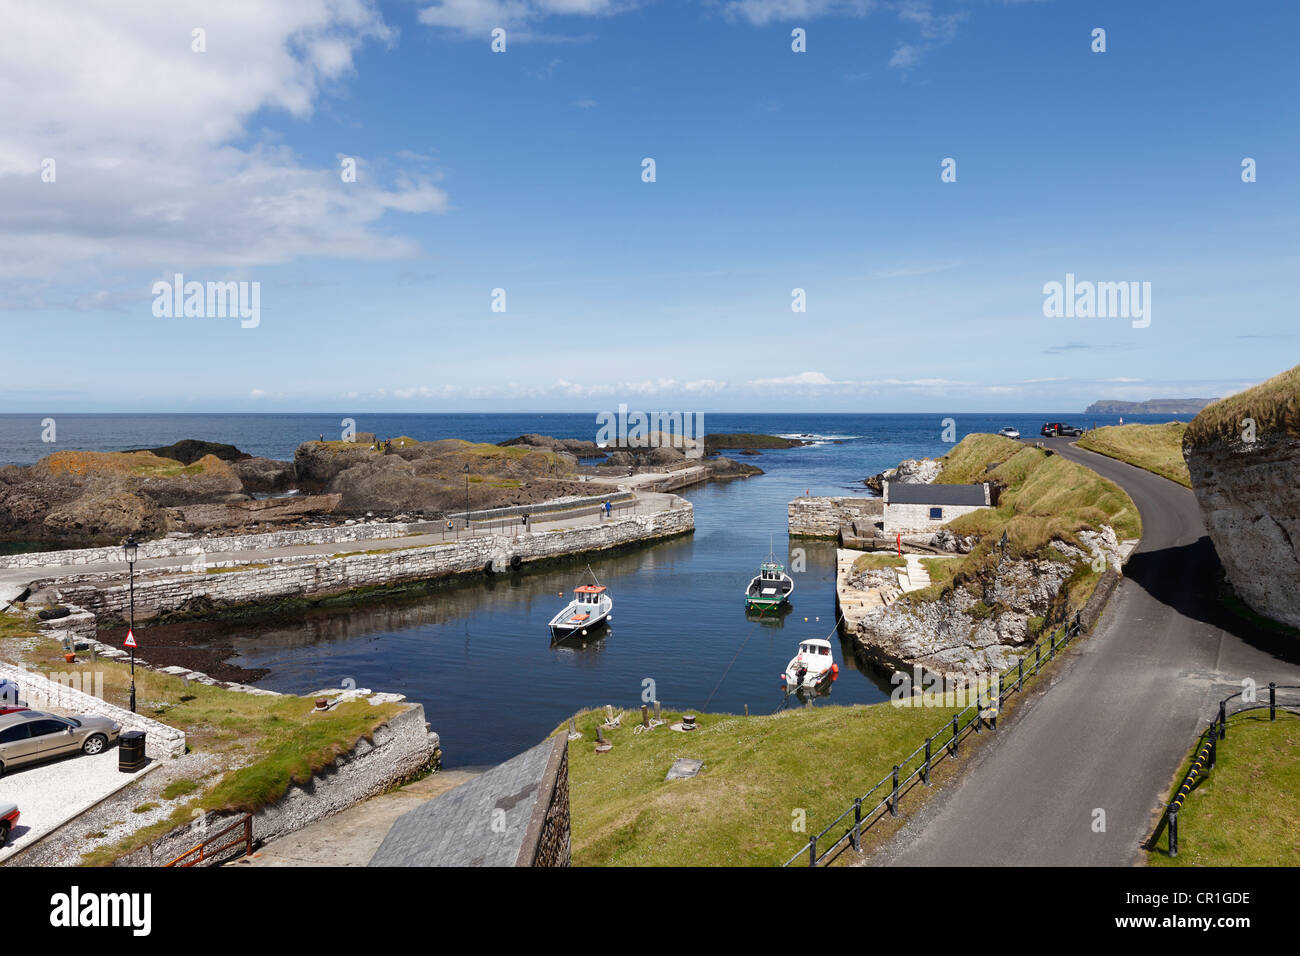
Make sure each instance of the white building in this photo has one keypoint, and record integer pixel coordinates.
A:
(913, 508)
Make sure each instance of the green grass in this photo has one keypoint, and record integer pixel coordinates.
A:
(179, 788)
(1045, 498)
(758, 771)
(1246, 812)
(875, 562)
(1155, 448)
(144, 808)
(278, 740)
(1274, 406)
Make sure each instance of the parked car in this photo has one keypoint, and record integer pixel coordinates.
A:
(1009, 432)
(8, 820)
(1057, 429)
(32, 735)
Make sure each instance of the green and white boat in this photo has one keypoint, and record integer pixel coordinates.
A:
(771, 589)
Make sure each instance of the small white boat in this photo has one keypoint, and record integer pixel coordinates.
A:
(811, 666)
(590, 608)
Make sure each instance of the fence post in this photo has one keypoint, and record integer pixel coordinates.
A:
(893, 800)
(857, 824)
(925, 770)
(1053, 657)
(1214, 747)
(1173, 832)
(1223, 719)
(1272, 700)
(1038, 657)
(812, 850)
(1020, 669)
(953, 748)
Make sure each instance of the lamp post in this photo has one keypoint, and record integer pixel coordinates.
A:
(467, 498)
(131, 549)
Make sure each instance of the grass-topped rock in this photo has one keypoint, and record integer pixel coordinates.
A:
(1063, 524)
(1243, 455)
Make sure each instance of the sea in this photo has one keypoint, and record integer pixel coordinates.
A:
(477, 654)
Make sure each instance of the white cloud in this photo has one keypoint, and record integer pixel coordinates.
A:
(803, 378)
(478, 18)
(155, 169)
(763, 12)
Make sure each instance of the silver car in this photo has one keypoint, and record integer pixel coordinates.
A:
(30, 735)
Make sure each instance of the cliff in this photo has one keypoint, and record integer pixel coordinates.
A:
(1154, 406)
(1243, 453)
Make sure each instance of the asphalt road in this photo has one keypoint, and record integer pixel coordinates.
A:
(1119, 716)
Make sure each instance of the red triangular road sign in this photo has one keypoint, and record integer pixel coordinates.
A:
(130, 639)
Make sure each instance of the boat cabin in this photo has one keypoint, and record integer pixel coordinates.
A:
(771, 572)
(815, 648)
(588, 594)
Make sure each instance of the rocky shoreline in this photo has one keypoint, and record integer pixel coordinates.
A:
(74, 499)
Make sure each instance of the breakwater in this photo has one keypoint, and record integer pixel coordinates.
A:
(310, 575)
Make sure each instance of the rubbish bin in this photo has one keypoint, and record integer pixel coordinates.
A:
(130, 751)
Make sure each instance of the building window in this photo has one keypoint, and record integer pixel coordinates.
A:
(936, 514)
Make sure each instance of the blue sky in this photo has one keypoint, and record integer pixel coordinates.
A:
(521, 170)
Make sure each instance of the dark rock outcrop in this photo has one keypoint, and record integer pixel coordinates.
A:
(189, 450)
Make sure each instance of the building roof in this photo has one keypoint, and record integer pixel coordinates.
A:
(481, 823)
(909, 493)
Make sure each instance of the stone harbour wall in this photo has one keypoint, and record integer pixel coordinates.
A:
(822, 517)
(350, 572)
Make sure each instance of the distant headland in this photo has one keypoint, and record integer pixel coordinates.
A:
(1154, 406)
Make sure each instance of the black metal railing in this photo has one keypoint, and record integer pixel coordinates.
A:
(1207, 754)
(915, 769)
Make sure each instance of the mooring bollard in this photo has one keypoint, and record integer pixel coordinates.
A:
(656, 710)
(857, 824)
(645, 716)
(746, 710)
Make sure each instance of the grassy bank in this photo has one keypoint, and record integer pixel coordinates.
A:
(1155, 448)
(758, 771)
(1045, 498)
(1247, 810)
(267, 742)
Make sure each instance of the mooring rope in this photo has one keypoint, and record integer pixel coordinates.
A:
(833, 631)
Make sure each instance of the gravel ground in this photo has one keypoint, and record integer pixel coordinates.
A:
(47, 793)
(117, 816)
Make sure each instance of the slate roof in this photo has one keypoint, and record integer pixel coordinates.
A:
(456, 828)
(905, 493)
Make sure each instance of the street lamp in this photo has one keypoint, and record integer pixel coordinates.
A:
(467, 498)
(131, 550)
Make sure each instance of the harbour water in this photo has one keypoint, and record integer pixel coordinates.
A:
(478, 655)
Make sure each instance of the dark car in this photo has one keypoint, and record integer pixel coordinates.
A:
(1057, 429)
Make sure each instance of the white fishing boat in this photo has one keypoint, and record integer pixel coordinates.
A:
(590, 608)
(812, 665)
